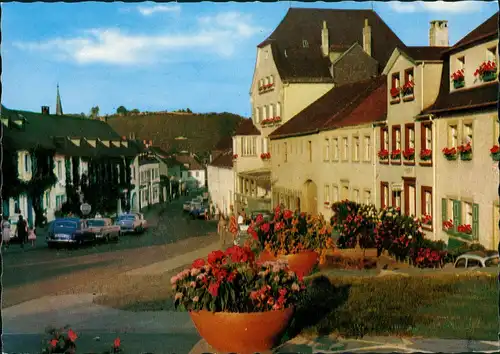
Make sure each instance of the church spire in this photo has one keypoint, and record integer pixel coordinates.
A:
(59, 110)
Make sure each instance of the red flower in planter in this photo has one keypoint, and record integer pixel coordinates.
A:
(448, 225)
(265, 155)
(408, 87)
(426, 219)
(486, 67)
(396, 154)
(425, 154)
(395, 92)
(464, 148)
(116, 343)
(495, 149)
(235, 156)
(449, 151)
(383, 154)
(72, 335)
(465, 228)
(409, 153)
(458, 75)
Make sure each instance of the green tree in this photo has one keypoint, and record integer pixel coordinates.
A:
(94, 112)
(135, 110)
(121, 110)
(188, 110)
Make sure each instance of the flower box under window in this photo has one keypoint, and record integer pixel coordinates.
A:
(458, 78)
(408, 90)
(271, 121)
(426, 220)
(235, 156)
(395, 94)
(425, 154)
(448, 225)
(396, 154)
(383, 155)
(487, 71)
(265, 155)
(495, 153)
(465, 229)
(465, 151)
(409, 154)
(450, 153)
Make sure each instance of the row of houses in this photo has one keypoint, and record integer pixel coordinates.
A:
(364, 117)
(53, 163)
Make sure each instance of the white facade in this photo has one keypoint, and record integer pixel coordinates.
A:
(194, 178)
(149, 184)
(220, 186)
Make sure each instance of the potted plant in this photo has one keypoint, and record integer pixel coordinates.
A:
(465, 151)
(425, 154)
(458, 78)
(464, 229)
(383, 154)
(409, 154)
(231, 294)
(487, 71)
(396, 154)
(495, 153)
(450, 153)
(448, 225)
(296, 237)
(408, 88)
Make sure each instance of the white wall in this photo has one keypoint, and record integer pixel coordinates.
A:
(221, 186)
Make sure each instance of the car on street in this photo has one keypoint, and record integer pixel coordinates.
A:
(68, 231)
(102, 229)
(198, 210)
(477, 259)
(132, 222)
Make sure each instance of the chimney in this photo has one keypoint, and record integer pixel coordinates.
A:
(438, 34)
(367, 38)
(325, 42)
(45, 110)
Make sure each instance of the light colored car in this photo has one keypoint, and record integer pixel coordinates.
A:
(477, 259)
(132, 222)
(103, 229)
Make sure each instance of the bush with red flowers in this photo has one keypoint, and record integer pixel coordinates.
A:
(425, 154)
(450, 153)
(486, 71)
(409, 154)
(427, 257)
(232, 281)
(63, 341)
(495, 153)
(383, 154)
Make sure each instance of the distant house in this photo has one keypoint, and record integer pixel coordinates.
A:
(145, 178)
(193, 172)
(220, 175)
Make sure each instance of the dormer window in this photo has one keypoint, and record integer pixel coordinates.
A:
(395, 88)
(305, 43)
(408, 85)
(461, 63)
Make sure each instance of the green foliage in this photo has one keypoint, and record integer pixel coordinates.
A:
(121, 110)
(94, 112)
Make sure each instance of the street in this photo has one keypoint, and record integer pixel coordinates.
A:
(39, 271)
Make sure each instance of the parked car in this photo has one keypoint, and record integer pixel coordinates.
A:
(477, 259)
(187, 206)
(132, 222)
(68, 231)
(103, 229)
(198, 210)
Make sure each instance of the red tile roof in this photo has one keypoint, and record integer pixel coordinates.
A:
(298, 64)
(246, 127)
(334, 109)
(425, 53)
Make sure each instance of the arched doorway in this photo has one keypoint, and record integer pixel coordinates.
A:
(311, 197)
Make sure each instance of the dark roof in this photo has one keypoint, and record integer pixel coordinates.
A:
(345, 28)
(334, 108)
(425, 53)
(193, 162)
(224, 143)
(159, 151)
(246, 127)
(482, 32)
(147, 160)
(482, 96)
(224, 160)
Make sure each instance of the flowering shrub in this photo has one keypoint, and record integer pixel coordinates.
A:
(425, 154)
(395, 92)
(235, 156)
(450, 153)
(265, 155)
(408, 88)
(63, 341)
(458, 75)
(486, 68)
(383, 154)
(426, 219)
(427, 258)
(232, 281)
(396, 154)
(290, 233)
(409, 154)
(448, 225)
(465, 228)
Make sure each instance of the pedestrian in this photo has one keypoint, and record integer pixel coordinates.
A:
(213, 211)
(22, 230)
(32, 236)
(222, 230)
(6, 231)
(233, 225)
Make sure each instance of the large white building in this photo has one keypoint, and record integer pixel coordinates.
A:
(221, 177)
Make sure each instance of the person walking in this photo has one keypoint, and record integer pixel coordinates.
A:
(6, 231)
(233, 225)
(32, 236)
(22, 230)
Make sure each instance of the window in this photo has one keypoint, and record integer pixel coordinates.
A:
(410, 136)
(257, 115)
(468, 133)
(384, 194)
(285, 149)
(345, 148)
(396, 199)
(491, 54)
(426, 135)
(326, 196)
(326, 150)
(368, 197)
(345, 192)
(367, 148)
(467, 213)
(411, 200)
(47, 199)
(254, 145)
(355, 195)
(305, 43)
(26, 163)
(452, 135)
(59, 169)
(309, 148)
(496, 130)
(408, 75)
(335, 148)
(384, 145)
(396, 137)
(272, 111)
(426, 200)
(460, 263)
(395, 80)
(197, 173)
(355, 154)
(473, 263)
(460, 63)
(271, 79)
(278, 109)
(335, 194)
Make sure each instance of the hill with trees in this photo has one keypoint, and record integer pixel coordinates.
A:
(177, 131)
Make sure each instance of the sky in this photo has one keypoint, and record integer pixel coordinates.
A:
(168, 56)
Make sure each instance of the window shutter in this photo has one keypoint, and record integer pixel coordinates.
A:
(456, 214)
(475, 221)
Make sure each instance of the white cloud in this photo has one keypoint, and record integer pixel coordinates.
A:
(220, 34)
(437, 6)
(150, 10)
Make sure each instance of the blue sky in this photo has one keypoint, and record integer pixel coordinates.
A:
(157, 56)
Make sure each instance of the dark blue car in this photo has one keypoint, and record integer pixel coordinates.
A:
(63, 231)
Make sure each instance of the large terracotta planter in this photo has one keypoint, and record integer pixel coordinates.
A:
(301, 263)
(242, 333)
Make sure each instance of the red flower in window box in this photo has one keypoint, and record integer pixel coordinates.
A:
(277, 119)
(450, 153)
(408, 88)
(495, 152)
(235, 156)
(265, 155)
(465, 148)
(383, 154)
(426, 219)
(409, 154)
(458, 75)
(448, 225)
(487, 67)
(465, 229)
(395, 92)
(396, 154)
(425, 154)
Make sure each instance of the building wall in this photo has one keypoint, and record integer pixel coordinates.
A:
(194, 178)
(134, 180)
(149, 191)
(354, 65)
(298, 96)
(221, 187)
